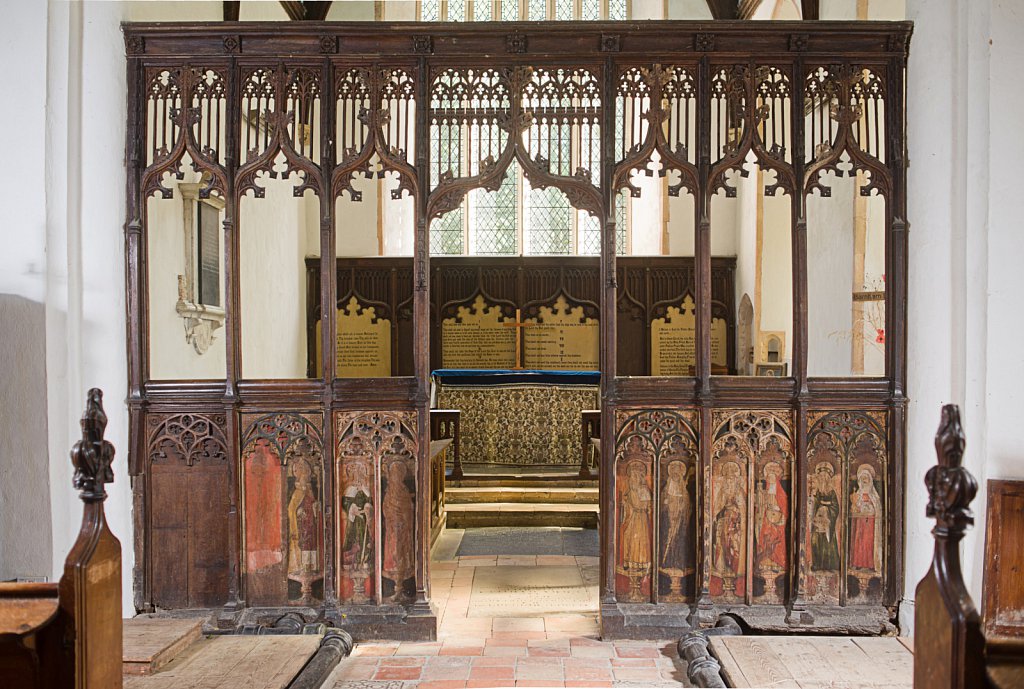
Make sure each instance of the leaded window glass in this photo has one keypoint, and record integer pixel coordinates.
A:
(493, 228)
(515, 218)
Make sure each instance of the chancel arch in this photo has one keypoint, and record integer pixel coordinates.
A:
(714, 233)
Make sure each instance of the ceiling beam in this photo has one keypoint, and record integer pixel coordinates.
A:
(316, 10)
(810, 9)
(294, 9)
(724, 9)
(231, 9)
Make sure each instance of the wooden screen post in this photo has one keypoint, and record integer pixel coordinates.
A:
(90, 590)
(948, 643)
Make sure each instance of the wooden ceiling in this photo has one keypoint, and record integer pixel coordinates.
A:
(316, 10)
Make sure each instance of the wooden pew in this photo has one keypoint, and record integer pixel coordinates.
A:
(951, 648)
(69, 634)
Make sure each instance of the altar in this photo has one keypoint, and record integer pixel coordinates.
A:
(525, 418)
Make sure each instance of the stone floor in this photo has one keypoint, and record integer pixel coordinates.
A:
(513, 620)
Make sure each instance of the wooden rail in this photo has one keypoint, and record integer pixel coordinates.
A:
(69, 634)
(444, 435)
(590, 430)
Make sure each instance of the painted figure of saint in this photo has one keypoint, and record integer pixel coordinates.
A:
(773, 506)
(865, 522)
(357, 550)
(676, 512)
(263, 498)
(727, 523)
(398, 511)
(824, 515)
(636, 519)
(304, 535)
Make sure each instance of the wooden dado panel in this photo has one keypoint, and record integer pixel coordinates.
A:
(283, 497)
(751, 492)
(848, 534)
(190, 500)
(656, 453)
(649, 285)
(376, 464)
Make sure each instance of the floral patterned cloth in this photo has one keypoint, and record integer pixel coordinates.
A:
(519, 424)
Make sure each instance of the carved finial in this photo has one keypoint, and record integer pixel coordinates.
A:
(92, 455)
(951, 488)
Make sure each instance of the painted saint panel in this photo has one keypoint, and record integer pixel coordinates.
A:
(282, 465)
(655, 526)
(677, 524)
(773, 489)
(377, 480)
(751, 494)
(634, 497)
(358, 523)
(398, 507)
(729, 466)
(847, 523)
(824, 519)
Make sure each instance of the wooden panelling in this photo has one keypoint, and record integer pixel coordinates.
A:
(1004, 559)
(190, 496)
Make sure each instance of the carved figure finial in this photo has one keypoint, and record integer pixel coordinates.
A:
(951, 488)
(92, 456)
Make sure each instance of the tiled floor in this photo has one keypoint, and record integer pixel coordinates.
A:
(526, 621)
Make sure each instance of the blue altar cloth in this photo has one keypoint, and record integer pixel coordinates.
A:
(484, 377)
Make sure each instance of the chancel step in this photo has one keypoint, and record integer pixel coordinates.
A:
(522, 481)
(521, 494)
(469, 515)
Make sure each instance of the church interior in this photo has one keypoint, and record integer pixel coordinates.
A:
(435, 344)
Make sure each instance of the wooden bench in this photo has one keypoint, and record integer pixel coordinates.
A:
(69, 634)
(952, 647)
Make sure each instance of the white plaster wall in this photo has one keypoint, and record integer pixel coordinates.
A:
(830, 279)
(170, 356)
(745, 231)
(272, 280)
(681, 223)
(965, 251)
(25, 526)
(647, 213)
(777, 270)
(356, 223)
(688, 9)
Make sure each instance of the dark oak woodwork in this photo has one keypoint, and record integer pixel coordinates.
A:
(590, 430)
(648, 285)
(948, 642)
(323, 52)
(444, 439)
(69, 634)
(953, 646)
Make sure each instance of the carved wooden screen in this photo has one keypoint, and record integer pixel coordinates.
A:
(776, 473)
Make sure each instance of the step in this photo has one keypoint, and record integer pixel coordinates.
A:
(522, 481)
(152, 642)
(525, 494)
(234, 662)
(464, 516)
